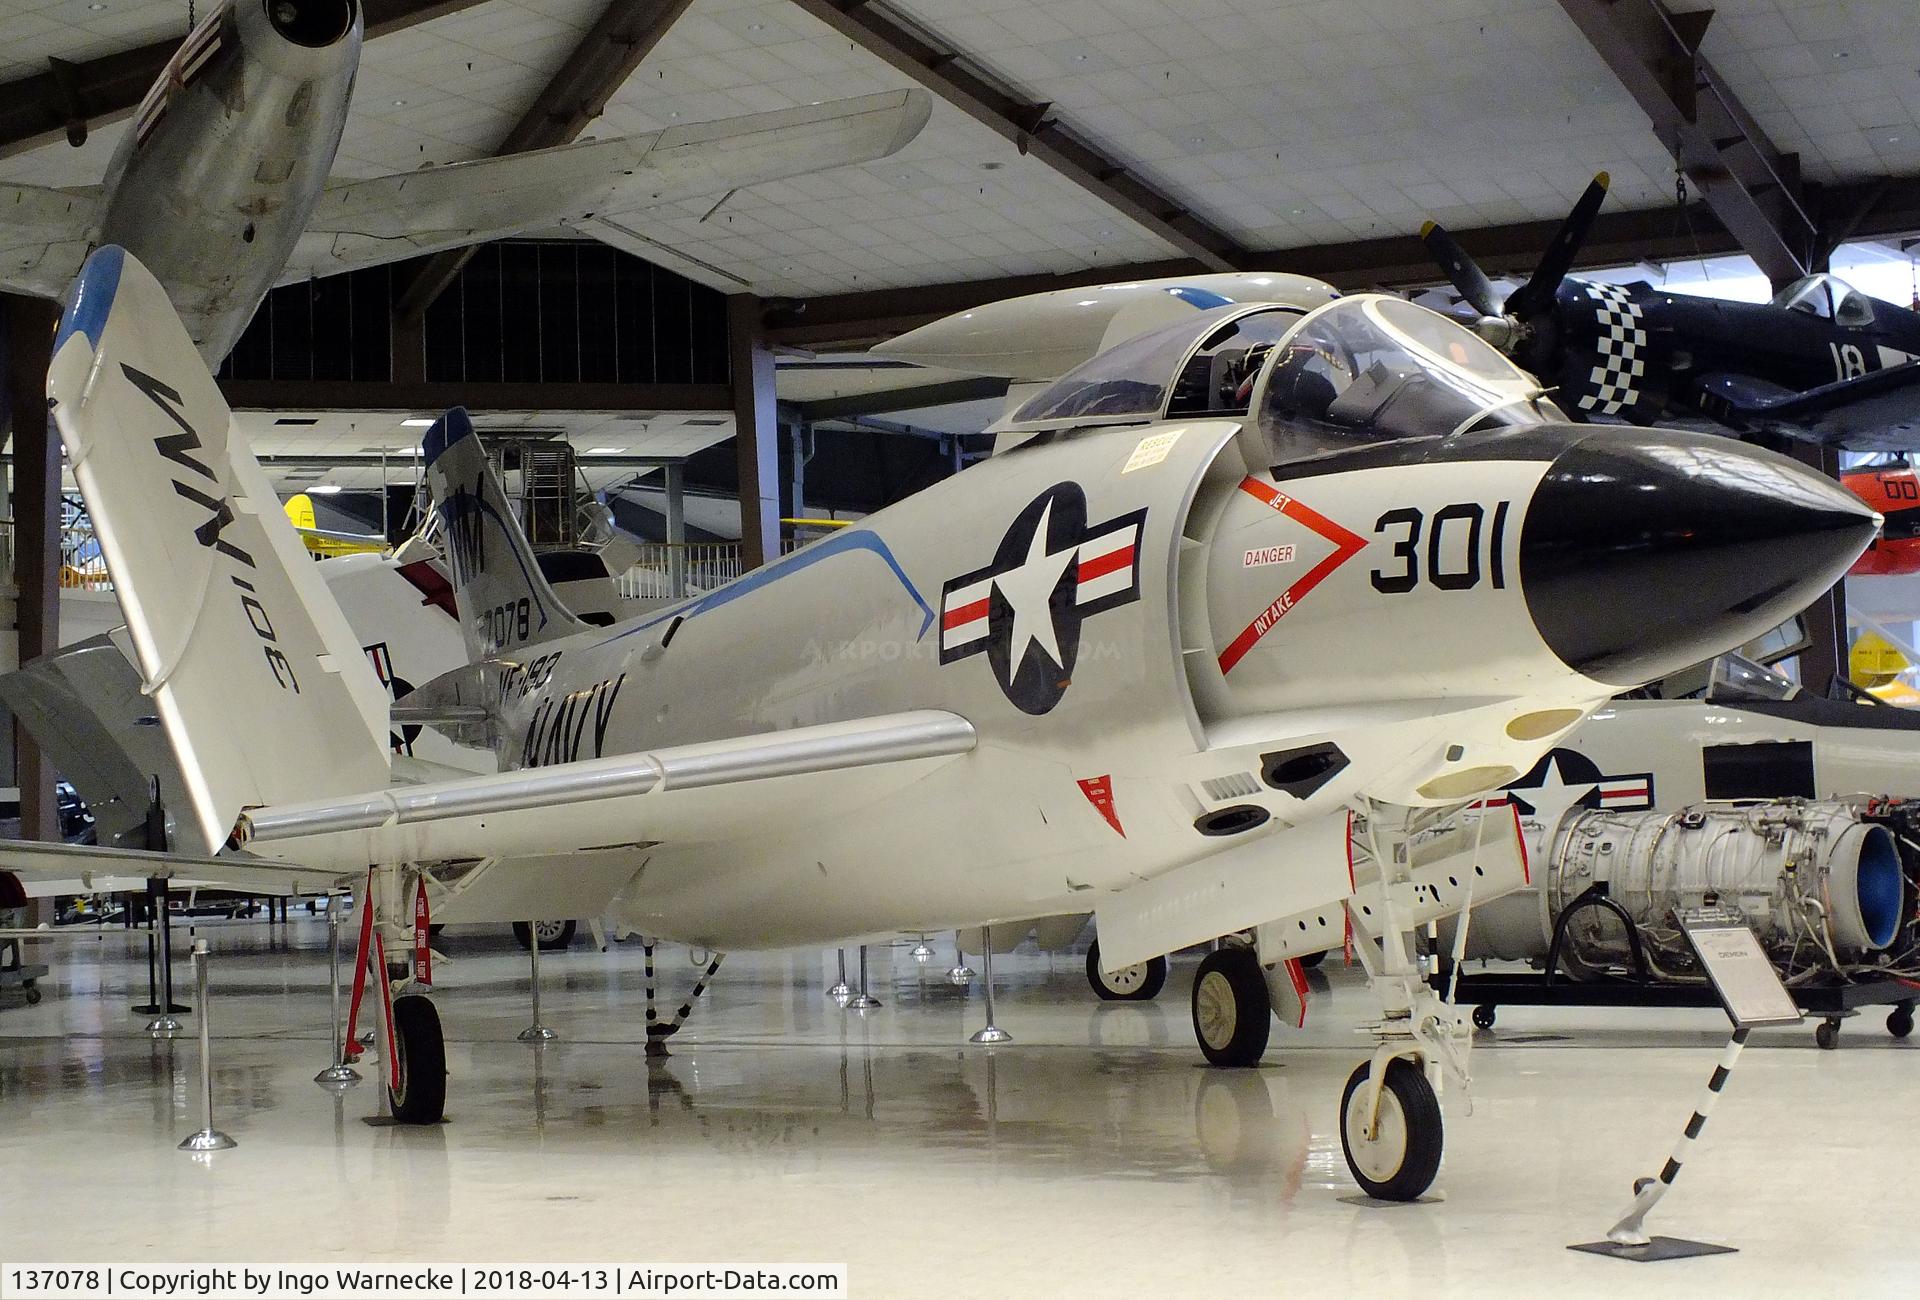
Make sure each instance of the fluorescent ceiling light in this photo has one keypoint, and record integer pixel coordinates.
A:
(325, 489)
(416, 424)
(605, 451)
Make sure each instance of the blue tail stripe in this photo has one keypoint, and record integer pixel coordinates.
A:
(90, 298)
(851, 539)
(447, 430)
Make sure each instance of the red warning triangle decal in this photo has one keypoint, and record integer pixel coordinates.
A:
(1099, 792)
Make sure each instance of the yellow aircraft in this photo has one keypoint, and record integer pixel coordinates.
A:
(324, 543)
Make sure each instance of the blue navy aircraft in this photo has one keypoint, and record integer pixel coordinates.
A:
(1821, 363)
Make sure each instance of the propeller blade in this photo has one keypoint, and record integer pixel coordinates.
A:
(1536, 295)
(1462, 270)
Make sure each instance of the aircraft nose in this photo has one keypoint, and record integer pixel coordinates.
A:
(1648, 550)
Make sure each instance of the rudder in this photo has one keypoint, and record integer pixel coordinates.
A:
(505, 603)
(265, 693)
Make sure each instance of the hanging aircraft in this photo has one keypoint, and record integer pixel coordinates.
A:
(221, 183)
(1113, 667)
(1821, 363)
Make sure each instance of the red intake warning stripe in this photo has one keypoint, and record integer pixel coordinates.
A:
(1346, 545)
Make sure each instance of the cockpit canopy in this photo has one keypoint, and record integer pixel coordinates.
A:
(1359, 369)
(1827, 297)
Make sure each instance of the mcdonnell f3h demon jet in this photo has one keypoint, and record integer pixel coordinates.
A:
(221, 183)
(1115, 668)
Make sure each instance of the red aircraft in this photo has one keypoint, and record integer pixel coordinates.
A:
(1893, 489)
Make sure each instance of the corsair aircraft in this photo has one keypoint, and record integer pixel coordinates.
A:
(1822, 362)
(221, 183)
(1116, 667)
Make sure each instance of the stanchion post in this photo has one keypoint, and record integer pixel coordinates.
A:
(208, 1138)
(992, 1033)
(537, 1032)
(339, 1072)
(862, 1000)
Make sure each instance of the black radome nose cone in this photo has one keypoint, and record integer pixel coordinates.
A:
(1646, 551)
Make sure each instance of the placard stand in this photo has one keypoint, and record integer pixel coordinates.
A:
(1750, 990)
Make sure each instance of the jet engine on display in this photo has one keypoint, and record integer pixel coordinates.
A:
(1257, 598)
(1801, 813)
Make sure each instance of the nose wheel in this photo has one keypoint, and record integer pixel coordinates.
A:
(1392, 1143)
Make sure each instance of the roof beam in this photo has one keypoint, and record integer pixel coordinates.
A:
(1032, 127)
(72, 98)
(1617, 239)
(282, 395)
(625, 33)
(1750, 185)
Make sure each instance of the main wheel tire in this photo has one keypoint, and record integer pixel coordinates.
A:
(420, 1051)
(1140, 982)
(554, 935)
(1400, 1162)
(1900, 1021)
(1826, 1035)
(1312, 959)
(1232, 1010)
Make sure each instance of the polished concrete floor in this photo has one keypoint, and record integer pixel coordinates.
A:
(1092, 1157)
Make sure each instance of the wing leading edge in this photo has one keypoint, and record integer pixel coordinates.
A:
(603, 803)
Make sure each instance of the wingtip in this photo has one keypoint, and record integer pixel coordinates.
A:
(1603, 180)
(1428, 227)
(916, 109)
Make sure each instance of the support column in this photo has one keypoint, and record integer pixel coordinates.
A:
(1826, 656)
(36, 546)
(799, 433)
(676, 482)
(756, 431)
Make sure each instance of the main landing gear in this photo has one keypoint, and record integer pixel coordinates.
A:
(1141, 982)
(417, 1082)
(1391, 1129)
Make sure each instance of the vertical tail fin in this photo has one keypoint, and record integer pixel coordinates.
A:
(505, 603)
(265, 693)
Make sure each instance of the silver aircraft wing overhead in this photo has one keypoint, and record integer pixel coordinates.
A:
(620, 802)
(366, 222)
(44, 236)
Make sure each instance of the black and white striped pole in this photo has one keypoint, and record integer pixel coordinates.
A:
(1744, 978)
(1631, 1230)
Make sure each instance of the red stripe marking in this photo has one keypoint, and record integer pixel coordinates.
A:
(1526, 865)
(1101, 565)
(965, 614)
(1346, 545)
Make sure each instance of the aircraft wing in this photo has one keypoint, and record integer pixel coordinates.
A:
(624, 802)
(44, 236)
(94, 866)
(366, 222)
(1877, 411)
